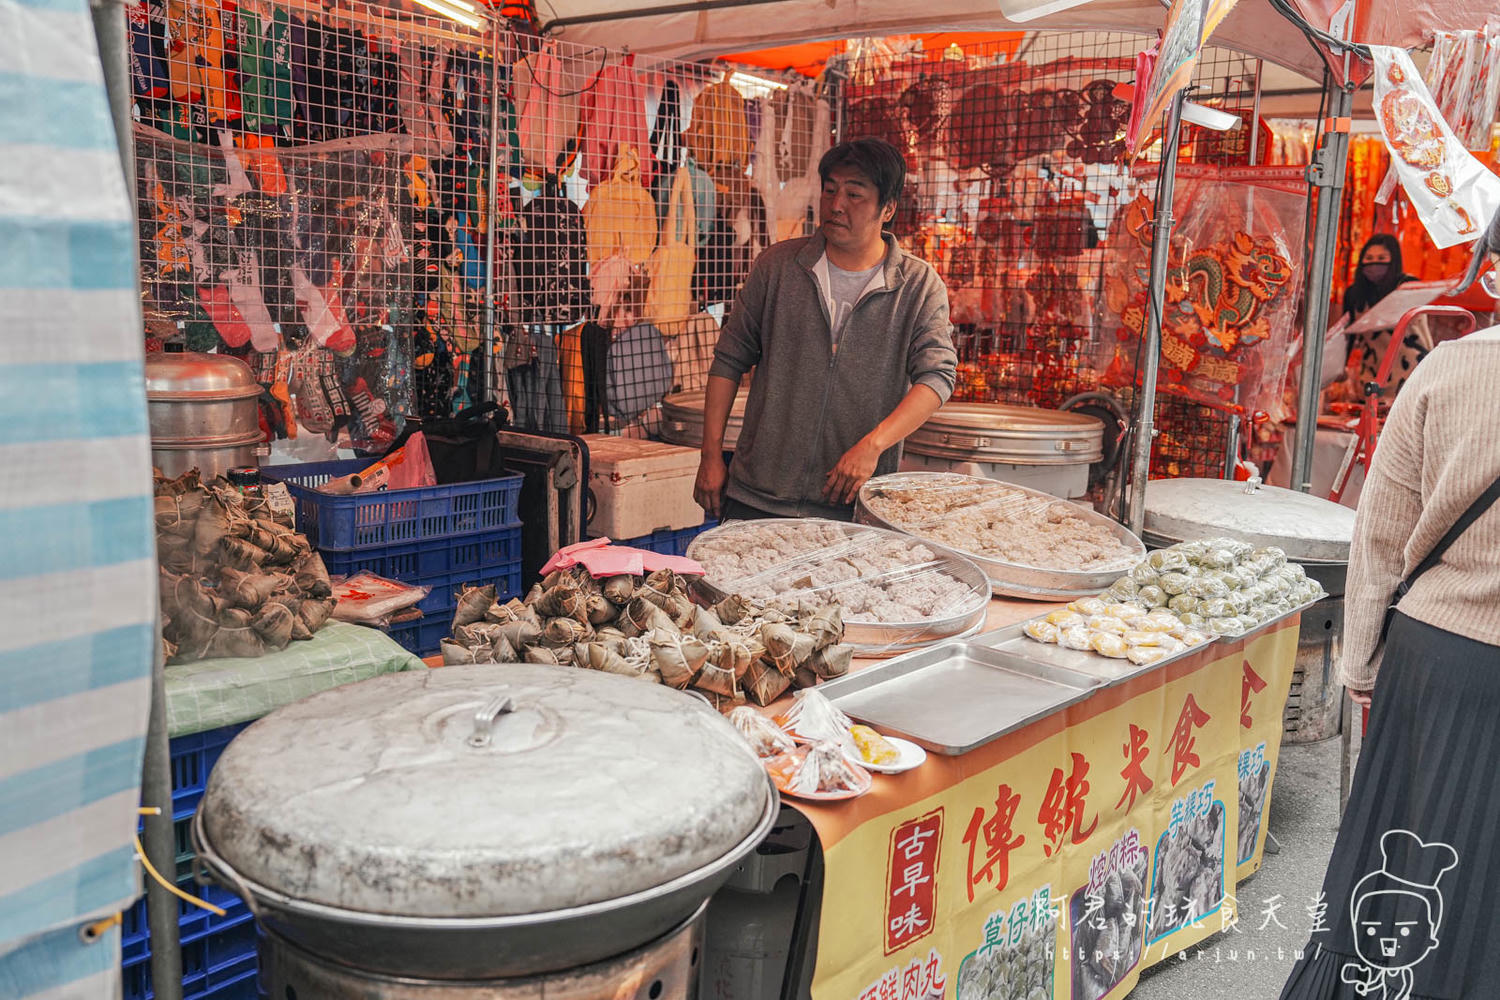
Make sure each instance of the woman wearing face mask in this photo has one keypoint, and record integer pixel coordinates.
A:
(1425, 547)
(1379, 274)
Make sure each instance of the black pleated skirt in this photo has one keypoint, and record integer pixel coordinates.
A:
(1412, 892)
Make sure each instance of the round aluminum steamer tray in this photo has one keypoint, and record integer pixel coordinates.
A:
(869, 637)
(1311, 530)
(1014, 435)
(1014, 579)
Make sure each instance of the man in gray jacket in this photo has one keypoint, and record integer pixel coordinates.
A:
(851, 347)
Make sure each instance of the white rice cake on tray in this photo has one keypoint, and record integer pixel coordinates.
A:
(874, 574)
(1000, 522)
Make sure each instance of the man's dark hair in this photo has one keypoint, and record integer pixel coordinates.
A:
(877, 159)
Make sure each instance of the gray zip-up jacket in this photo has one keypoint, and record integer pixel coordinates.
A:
(808, 403)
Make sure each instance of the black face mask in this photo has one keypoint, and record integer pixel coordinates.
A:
(1375, 274)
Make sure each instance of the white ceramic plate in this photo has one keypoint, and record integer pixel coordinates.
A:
(911, 756)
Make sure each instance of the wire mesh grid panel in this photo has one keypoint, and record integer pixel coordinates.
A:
(1016, 151)
(643, 189)
(313, 199)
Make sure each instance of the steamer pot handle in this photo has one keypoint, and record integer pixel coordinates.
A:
(484, 719)
(216, 872)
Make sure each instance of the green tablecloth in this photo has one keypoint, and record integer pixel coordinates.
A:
(213, 693)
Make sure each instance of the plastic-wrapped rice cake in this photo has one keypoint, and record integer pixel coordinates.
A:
(876, 575)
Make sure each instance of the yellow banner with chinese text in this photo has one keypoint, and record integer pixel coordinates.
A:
(1060, 860)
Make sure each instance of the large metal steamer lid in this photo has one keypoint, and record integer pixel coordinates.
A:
(1014, 435)
(392, 796)
(197, 378)
(1307, 528)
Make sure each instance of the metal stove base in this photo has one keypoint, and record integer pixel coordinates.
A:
(666, 969)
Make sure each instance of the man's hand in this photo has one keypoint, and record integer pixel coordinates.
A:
(708, 488)
(857, 466)
(1360, 698)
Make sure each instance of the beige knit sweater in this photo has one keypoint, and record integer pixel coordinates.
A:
(1439, 450)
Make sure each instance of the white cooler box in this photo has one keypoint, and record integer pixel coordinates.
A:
(640, 487)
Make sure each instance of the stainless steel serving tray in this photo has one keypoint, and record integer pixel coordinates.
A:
(1103, 669)
(875, 638)
(1033, 583)
(1108, 671)
(957, 696)
(1264, 626)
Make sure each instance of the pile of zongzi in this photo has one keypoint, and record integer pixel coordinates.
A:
(650, 628)
(236, 578)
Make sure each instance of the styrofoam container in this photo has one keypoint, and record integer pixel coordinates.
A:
(640, 487)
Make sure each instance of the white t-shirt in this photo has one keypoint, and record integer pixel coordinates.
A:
(844, 291)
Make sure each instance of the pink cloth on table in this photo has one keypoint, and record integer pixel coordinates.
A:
(604, 559)
(677, 564)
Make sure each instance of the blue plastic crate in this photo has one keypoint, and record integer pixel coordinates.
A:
(445, 589)
(192, 922)
(408, 635)
(213, 969)
(236, 980)
(192, 761)
(424, 635)
(394, 516)
(419, 562)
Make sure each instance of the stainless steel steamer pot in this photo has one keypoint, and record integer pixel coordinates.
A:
(476, 823)
(202, 411)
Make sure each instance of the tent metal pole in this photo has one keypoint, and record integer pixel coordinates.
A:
(495, 178)
(1255, 117)
(627, 14)
(1161, 237)
(1326, 173)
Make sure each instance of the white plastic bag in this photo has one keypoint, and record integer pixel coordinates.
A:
(1454, 194)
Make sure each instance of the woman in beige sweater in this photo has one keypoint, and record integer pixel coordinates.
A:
(1415, 875)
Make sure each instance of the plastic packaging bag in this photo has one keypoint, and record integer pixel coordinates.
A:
(1454, 194)
(411, 465)
(1233, 279)
(367, 599)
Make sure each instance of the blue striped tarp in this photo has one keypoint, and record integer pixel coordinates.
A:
(77, 558)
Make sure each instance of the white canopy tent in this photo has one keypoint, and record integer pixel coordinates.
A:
(692, 30)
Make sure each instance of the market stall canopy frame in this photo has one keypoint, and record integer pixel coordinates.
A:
(672, 28)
